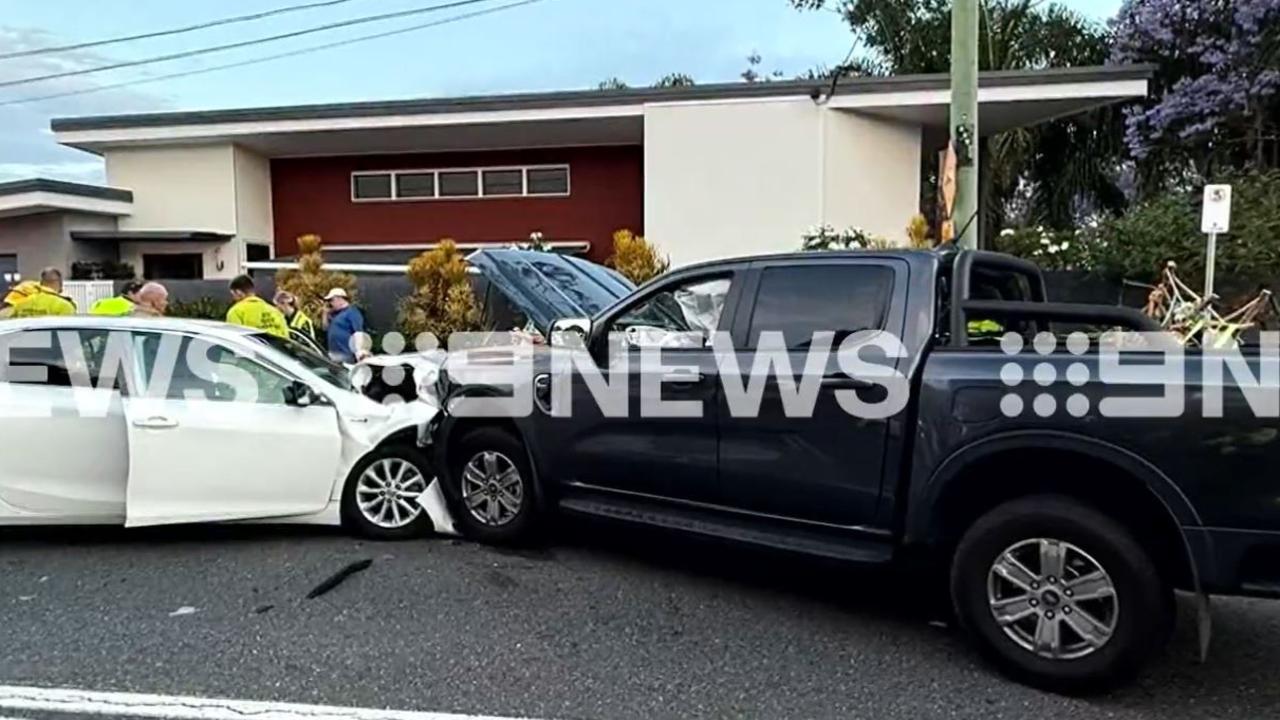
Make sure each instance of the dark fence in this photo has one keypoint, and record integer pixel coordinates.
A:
(380, 295)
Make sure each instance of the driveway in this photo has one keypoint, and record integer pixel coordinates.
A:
(600, 623)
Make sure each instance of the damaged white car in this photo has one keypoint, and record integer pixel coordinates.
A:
(162, 421)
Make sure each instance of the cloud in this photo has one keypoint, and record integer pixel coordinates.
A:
(27, 147)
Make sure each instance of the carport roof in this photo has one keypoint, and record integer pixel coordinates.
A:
(573, 117)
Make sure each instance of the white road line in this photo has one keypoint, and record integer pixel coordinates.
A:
(172, 707)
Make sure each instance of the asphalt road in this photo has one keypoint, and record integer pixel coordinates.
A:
(601, 623)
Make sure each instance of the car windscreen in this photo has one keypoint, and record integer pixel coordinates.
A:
(331, 372)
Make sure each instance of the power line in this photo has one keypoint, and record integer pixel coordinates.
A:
(171, 31)
(268, 58)
(242, 43)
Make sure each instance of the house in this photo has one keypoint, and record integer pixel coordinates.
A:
(705, 172)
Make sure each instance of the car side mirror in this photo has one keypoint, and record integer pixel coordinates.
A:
(300, 394)
(570, 332)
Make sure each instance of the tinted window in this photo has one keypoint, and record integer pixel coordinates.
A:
(459, 184)
(415, 185)
(370, 187)
(548, 181)
(62, 358)
(183, 368)
(800, 301)
(503, 182)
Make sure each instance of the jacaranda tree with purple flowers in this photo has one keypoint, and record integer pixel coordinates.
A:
(1215, 101)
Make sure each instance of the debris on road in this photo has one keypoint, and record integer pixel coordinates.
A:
(261, 609)
(337, 578)
(184, 610)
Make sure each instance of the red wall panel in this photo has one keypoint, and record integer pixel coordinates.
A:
(313, 195)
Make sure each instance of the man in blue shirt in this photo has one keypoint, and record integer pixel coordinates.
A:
(344, 322)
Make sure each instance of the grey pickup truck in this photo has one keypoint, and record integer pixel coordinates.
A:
(1063, 478)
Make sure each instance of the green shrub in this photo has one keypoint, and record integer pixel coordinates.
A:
(205, 308)
(1050, 249)
(1137, 245)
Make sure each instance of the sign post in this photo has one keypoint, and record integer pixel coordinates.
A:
(1215, 218)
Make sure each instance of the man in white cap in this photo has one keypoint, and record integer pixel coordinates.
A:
(344, 321)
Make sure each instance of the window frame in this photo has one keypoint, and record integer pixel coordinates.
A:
(479, 172)
(251, 354)
(895, 315)
(735, 273)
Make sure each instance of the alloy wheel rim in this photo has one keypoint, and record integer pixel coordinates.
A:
(1053, 599)
(492, 490)
(388, 492)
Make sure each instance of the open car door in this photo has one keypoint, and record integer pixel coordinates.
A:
(212, 438)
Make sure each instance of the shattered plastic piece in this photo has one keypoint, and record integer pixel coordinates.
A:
(184, 610)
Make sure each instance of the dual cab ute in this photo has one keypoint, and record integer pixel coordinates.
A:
(1063, 524)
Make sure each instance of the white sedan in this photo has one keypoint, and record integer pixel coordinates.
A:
(143, 421)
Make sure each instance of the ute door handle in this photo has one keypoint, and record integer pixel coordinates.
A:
(844, 381)
(156, 422)
(682, 377)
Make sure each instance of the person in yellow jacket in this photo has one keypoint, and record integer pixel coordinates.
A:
(252, 311)
(16, 295)
(298, 321)
(120, 305)
(47, 300)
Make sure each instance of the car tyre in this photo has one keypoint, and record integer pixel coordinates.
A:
(390, 478)
(1089, 642)
(491, 488)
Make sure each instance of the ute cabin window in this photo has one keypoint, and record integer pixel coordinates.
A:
(802, 300)
(182, 368)
(59, 358)
(682, 317)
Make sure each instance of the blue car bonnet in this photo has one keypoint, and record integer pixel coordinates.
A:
(547, 286)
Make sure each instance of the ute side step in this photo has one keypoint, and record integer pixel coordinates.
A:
(718, 525)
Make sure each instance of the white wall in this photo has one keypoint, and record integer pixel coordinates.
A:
(182, 188)
(254, 222)
(209, 188)
(732, 178)
(871, 177)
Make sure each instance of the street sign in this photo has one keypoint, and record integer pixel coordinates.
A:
(1216, 216)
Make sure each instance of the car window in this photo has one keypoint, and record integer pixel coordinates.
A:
(802, 300)
(60, 358)
(180, 367)
(683, 316)
(306, 354)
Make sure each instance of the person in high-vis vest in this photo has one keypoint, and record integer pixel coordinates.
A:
(120, 305)
(16, 295)
(298, 321)
(252, 311)
(47, 300)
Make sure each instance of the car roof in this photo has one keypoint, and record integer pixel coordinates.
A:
(94, 322)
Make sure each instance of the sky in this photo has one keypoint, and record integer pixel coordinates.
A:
(547, 45)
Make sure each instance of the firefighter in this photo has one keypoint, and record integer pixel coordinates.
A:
(120, 305)
(298, 321)
(252, 311)
(47, 299)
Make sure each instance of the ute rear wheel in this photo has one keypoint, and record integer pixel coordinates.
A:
(1059, 595)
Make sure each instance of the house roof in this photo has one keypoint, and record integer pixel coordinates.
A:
(596, 98)
(41, 195)
(61, 187)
